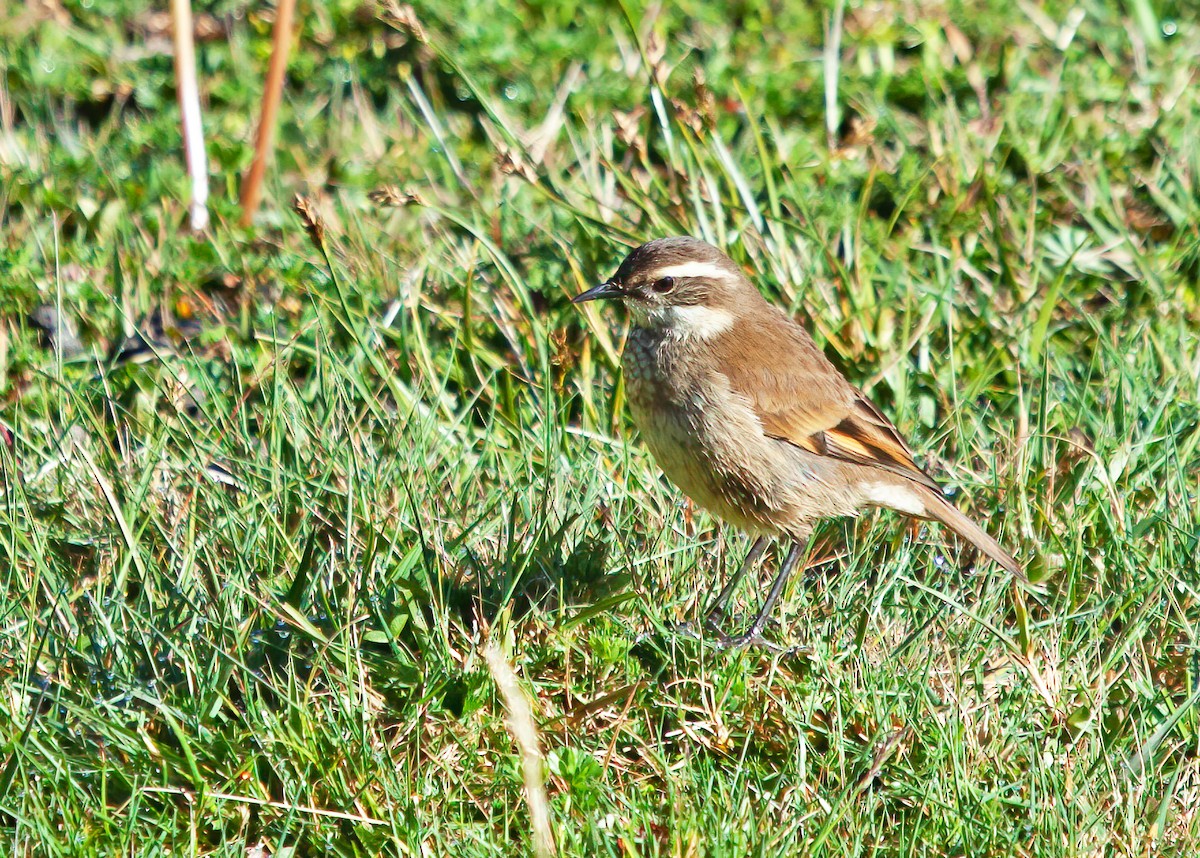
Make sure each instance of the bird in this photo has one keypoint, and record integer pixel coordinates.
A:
(747, 416)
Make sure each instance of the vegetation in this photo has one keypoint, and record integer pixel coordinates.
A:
(258, 524)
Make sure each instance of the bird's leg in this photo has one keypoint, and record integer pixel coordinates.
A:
(754, 633)
(716, 611)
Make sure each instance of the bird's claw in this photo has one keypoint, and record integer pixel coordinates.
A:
(755, 640)
(752, 638)
(685, 630)
(713, 621)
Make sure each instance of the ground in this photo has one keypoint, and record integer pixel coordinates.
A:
(262, 515)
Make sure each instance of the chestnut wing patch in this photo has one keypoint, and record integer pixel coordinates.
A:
(867, 437)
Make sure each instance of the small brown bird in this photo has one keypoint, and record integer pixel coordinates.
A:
(748, 417)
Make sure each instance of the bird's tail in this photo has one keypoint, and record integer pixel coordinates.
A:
(940, 509)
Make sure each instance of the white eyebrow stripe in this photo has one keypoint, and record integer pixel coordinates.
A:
(692, 269)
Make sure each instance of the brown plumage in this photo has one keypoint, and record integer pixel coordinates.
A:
(832, 418)
(749, 418)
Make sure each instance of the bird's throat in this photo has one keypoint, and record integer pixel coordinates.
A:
(687, 321)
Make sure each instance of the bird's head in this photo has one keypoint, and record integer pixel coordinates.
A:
(682, 285)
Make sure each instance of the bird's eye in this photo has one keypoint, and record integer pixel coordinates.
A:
(663, 285)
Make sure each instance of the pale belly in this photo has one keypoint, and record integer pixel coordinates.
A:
(713, 459)
(710, 444)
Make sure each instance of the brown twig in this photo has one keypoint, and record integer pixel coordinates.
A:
(281, 41)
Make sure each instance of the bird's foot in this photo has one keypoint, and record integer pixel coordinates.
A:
(752, 638)
(713, 622)
(710, 630)
(744, 641)
(697, 630)
(685, 630)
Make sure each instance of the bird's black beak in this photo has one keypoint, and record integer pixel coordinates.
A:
(607, 289)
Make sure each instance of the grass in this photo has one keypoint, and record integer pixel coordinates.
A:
(249, 579)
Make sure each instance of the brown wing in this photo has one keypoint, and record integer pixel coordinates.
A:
(801, 398)
(867, 437)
